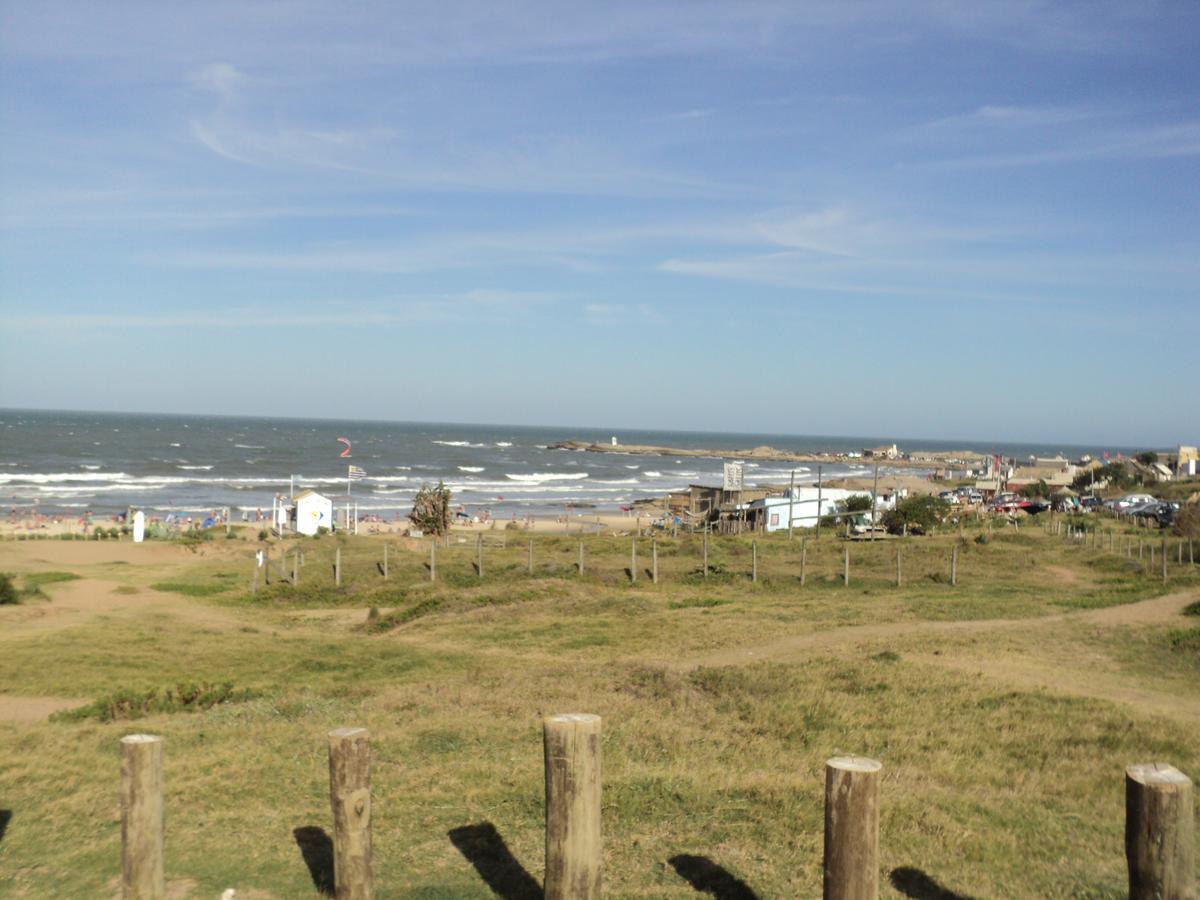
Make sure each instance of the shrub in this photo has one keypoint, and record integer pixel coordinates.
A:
(431, 509)
(919, 513)
(263, 534)
(135, 704)
(8, 591)
(1187, 522)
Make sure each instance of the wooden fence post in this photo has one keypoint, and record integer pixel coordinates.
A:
(581, 558)
(337, 567)
(385, 561)
(633, 561)
(705, 551)
(479, 555)
(899, 570)
(142, 817)
(846, 567)
(803, 559)
(1164, 559)
(573, 845)
(531, 556)
(852, 828)
(654, 561)
(1158, 832)
(433, 560)
(350, 800)
(254, 583)
(954, 566)
(754, 561)
(295, 568)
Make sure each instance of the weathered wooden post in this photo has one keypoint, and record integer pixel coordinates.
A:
(1141, 551)
(337, 567)
(654, 561)
(954, 566)
(350, 800)
(295, 568)
(846, 567)
(531, 556)
(1179, 554)
(899, 570)
(1164, 559)
(142, 817)
(633, 561)
(852, 828)
(803, 559)
(1150, 567)
(433, 560)
(1159, 846)
(254, 583)
(266, 566)
(573, 843)
(581, 557)
(385, 561)
(754, 561)
(705, 551)
(479, 555)
(282, 562)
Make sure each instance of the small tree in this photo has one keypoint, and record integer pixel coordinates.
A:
(431, 509)
(1038, 489)
(919, 513)
(1147, 457)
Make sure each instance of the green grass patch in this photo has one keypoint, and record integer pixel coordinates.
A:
(699, 603)
(37, 579)
(131, 704)
(191, 588)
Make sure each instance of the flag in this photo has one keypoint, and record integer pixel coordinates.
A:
(356, 472)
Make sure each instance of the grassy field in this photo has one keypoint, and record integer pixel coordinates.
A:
(1003, 708)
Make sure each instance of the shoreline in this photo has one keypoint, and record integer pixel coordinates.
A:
(919, 460)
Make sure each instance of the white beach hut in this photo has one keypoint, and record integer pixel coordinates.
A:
(312, 511)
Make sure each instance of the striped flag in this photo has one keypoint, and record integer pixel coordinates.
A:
(355, 472)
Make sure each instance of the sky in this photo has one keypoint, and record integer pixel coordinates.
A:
(953, 220)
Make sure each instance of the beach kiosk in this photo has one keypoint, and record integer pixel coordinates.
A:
(311, 511)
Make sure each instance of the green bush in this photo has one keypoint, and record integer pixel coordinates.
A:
(135, 704)
(8, 591)
(919, 514)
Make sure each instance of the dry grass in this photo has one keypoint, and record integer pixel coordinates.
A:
(995, 785)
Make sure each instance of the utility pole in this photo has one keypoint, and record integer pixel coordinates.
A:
(791, 500)
(874, 499)
(818, 501)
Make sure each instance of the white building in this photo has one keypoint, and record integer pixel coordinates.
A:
(805, 510)
(311, 511)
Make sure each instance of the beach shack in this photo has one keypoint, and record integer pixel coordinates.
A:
(772, 512)
(311, 511)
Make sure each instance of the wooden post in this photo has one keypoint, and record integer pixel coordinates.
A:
(754, 561)
(803, 559)
(531, 556)
(337, 567)
(954, 566)
(791, 499)
(846, 567)
(479, 555)
(818, 535)
(573, 844)
(874, 500)
(385, 560)
(654, 561)
(633, 561)
(254, 583)
(1141, 549)
(899, 571)
(1159, 846)
(266, 565)
(433, 560)
(1179, 554)
(1150, 567)
(581, 558)
(142, 817)
(295, 568)
(852, 828)
(1164, 560)
(705, 551)
(350, 800)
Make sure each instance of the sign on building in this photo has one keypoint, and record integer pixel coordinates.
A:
(734, 476)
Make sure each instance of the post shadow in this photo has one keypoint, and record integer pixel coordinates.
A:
(317, 849)
(5, 818)
(485, 849)
(708, 877)
(914, 883)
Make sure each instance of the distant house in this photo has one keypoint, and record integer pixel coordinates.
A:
(804, 507)
(1187, 461)
(311, 511)
(885, 451)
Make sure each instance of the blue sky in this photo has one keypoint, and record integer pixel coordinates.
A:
(972, 220)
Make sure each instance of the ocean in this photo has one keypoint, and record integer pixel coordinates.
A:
(69, 462)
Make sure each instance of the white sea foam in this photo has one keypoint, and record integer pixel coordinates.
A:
(203, 468)
(503, 443)
(539, 477)
(633, 467)
(458, 444)
(653, 474)
(81, 465)
(177, 445)
(470, 468)
(246, 447)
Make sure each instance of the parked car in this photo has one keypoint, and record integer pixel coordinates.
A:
(1126, 503)
(1091, 502)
